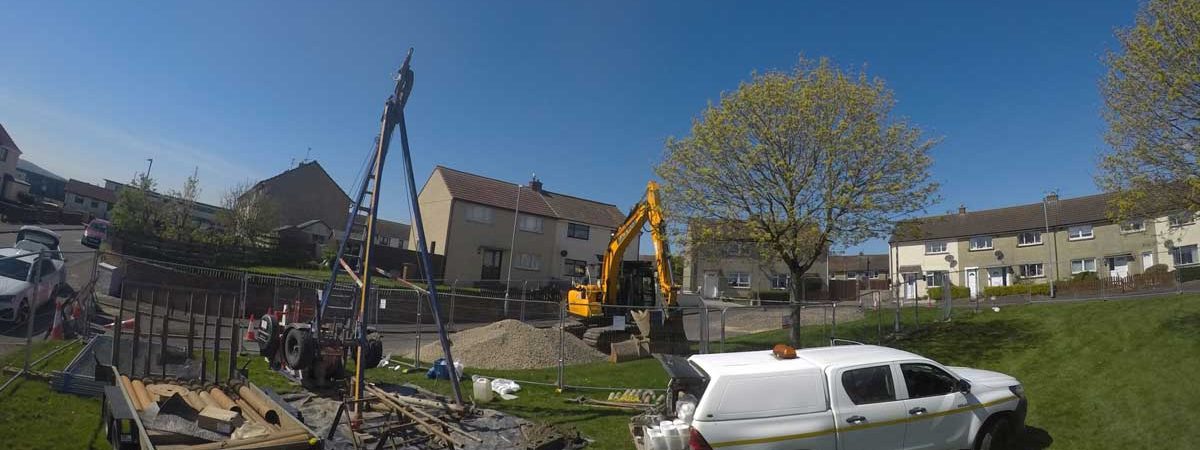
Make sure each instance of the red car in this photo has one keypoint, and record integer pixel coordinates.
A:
(94, 233)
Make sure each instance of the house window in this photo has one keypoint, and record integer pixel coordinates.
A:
(1029, 238)
(981, 243)
(528, 261)
(3, 153)
(779, 281)
(1032, 270)
(574, 268)
(740, 280)
(1181, 219)
(384, 240)
(95, 204)
(737, 248)
(1079, 232)
(935, 278)
(851, 275)
(479, 213)
(1083, 265)
(79, 200)
(1133, 226)
(532, 224)
(578, 231)
(1184, 255)
(935, 247)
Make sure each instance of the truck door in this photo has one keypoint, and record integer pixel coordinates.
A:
(935, 407)
(868, 413)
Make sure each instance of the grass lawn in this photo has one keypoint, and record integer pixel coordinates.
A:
(1100, 375)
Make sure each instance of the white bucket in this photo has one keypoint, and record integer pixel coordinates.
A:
(671, 435)
(655, 439)
(483, 390)
(684, 433)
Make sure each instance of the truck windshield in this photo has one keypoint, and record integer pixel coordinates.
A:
(15, 269)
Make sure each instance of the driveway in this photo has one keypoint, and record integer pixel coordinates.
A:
(79, 271)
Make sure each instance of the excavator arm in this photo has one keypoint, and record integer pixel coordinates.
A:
(647, 210)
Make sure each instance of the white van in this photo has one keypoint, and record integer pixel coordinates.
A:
(838, 398)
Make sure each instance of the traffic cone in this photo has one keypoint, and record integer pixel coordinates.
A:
(126, 324)
(56, 332)
(250, 329)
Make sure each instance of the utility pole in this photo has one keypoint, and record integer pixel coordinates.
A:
(512, 248)
(1049, 251)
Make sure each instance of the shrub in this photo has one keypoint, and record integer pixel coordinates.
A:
(1017, 289)
(1085, 276)
(1189, 273)
(935, 293)
(1157, 269)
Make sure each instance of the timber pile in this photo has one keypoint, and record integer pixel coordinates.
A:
(180, 415)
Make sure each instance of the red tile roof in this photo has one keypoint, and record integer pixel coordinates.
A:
(502, 194)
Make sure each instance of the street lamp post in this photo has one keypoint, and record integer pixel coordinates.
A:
(512, 249)
(150, 166)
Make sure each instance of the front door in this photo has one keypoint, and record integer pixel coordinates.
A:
(973, 282)
(937, 410)
(910, 286)
(1118, 266)
(710, 285)
(1147, 260)
(996, 276)
(867, 411)
(491, 264)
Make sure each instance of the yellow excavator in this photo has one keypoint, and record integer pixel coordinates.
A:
(619, 291)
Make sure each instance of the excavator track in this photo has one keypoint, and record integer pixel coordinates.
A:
(602, 338)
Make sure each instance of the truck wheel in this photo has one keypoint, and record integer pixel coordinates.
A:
(996, 435)
(268, 329)
(298, 348)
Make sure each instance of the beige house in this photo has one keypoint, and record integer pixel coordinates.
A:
(11, 185)
(480, 227)
(734, 269)
(1032, 243)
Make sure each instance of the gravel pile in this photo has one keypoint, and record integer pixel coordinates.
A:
(511, 344)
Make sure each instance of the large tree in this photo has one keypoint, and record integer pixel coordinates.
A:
(136, 212)
(177, 215)
(794, 162)
(248, 214)
(1152, 106)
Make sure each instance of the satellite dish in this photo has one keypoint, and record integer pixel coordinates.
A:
(563, 253)
(1168, 244)
(949, 258)
(999, 254)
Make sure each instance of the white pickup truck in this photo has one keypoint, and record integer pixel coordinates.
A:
(834, 398)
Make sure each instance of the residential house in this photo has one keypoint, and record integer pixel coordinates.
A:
(89, 199)
(203, 215)
(480, 226)
(11, 185)
(311, 236)
(736, 269)
(858, 267)
(1032, 243)
(1178, 238)
(43, 183)
(391, 234)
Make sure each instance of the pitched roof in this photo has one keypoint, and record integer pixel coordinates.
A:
(29, 166)
(502, 194)
(1058, 213)
(390, 228)
(6, 140)
(851, 263)
(91, 191)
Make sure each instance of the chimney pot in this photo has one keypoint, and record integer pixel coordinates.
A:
(1052, 197)
(535, 184)
(962, 209)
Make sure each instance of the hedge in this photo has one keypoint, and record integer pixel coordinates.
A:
(1189, 273)
(1017, 289)
(935, 293)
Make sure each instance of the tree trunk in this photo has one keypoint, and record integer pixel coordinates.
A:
(796, 301)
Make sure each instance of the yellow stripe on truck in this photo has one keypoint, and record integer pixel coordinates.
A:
(864, 426)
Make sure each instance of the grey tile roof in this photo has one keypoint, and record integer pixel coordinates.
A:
(91, 191)
(848, 263)
(502, 194)
(1012, 219)
(391, 229)
(29, 166)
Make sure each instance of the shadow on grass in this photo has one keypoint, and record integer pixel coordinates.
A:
(970, 342)
(1186, 324)
(1034, 439)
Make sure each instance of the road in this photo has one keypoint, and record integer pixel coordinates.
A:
(79, 271)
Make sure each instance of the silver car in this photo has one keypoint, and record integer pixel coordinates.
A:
(19, 295)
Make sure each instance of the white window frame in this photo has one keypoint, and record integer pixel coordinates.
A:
(1133, 226)
(780, 282)
(480, 214)
(935, 278)
(1177, 255)
(1091, 233)
(931, 244)
(739, 280)
(1181, 218)
(1083, 265)
(1036, 241)
(530, 223)
(979, 239)
(528, 261)
(1041, 270)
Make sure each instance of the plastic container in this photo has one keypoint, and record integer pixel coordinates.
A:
(670, 435)
(655, 439)
(685, 412)
(483, 390)
(684, 433)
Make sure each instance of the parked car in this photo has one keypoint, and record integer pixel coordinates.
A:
(19, 295)
(37, 239)
(95, 233)
(843, 397)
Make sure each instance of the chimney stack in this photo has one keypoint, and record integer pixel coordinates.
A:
(1051, 197)
(962, 209)
(535, 184)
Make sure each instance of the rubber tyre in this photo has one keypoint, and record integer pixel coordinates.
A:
(997, 434)
(268, 335)
(373, 354)
(298, 348)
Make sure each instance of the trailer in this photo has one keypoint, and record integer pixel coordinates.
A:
(126, 427)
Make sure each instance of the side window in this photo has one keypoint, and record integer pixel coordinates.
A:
(924, 380)
(869, 385)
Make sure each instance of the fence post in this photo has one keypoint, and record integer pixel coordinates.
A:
(897, 323)
(32, 314)
(204, 342)
(878, 317)
(217, 339)
(191, 339)
(524, 285)
(420, 327)
(234, 341)
(117, 325)
(453, 296)
(833, 325)
(242, 297)
(162, 339)
(723, 311)
(704, 325)
(562, 344)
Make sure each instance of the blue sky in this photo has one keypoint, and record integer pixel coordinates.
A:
(581, 93)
